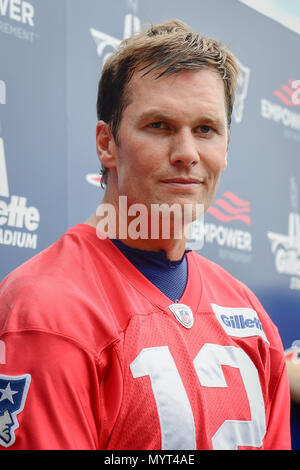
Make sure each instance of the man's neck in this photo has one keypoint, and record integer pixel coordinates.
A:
(173, 247)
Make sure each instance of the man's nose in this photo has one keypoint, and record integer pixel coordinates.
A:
(184, 150)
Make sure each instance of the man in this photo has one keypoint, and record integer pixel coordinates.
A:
(135, 342)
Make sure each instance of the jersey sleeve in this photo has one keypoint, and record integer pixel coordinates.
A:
(57, 404)
(55, 395)
(278, 436)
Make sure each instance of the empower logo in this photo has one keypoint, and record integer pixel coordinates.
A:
(289, 93)
(18, 10)
(284, 113)
(230, 207)
(239, 322)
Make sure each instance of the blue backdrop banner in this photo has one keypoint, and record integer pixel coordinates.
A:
(51, 56)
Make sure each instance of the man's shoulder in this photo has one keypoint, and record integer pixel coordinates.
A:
(224, 282)
(215, 270)
(49, 288)
(47, 266)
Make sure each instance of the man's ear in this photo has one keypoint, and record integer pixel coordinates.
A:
(105, 144)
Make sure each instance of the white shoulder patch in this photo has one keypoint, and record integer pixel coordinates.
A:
(239, 322)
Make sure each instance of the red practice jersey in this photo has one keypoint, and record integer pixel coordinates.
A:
(94, 356)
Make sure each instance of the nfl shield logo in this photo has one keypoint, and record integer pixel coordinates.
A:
(183, 314)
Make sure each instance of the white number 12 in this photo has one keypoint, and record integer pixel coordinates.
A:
(173, 406)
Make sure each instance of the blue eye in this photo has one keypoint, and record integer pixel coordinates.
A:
(156, 125)
(205, 129)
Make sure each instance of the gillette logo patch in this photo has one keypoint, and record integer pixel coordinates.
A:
(239, 322)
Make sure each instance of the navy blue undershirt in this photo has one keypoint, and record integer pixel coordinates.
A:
(168, 276)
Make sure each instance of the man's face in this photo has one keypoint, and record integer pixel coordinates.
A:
(173, 139)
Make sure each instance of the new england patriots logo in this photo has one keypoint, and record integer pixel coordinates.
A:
(13, 392)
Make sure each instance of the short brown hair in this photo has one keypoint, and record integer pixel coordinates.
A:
(167, 48)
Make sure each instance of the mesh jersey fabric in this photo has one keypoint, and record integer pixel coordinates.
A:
(112, 368)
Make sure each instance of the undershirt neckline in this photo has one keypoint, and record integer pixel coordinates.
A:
(170, 277)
